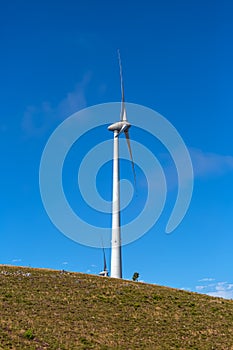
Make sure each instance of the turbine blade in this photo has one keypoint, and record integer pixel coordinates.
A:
(130, 153)
(123, 110)
(104, 256)
(105, 263)
(123, 129)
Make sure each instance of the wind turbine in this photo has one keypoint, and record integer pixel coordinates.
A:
(118, 128)
(104, 273)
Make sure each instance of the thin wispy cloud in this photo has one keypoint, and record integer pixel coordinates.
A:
(75, 100)
(222, 290)
(15, 261)
(218, 289)
(206, 279)
(38, 119)
(205, 163)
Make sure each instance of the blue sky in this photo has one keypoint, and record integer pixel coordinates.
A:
(56, 59)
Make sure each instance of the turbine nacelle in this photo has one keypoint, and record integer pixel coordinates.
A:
(121, 126)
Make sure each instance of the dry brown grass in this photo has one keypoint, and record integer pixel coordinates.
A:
(46, 309)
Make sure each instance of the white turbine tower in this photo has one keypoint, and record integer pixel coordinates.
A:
(119, 127)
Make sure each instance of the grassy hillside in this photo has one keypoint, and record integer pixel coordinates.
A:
(46, 309)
